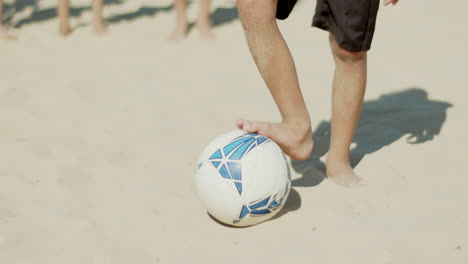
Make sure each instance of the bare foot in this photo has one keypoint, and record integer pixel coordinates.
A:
(100, 28)
(4, 34)
(341, 173)
(179, 33)
(205, 29)
(294, 139)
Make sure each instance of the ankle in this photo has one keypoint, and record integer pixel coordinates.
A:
(300, 132)
(341, 158)
(181, 24)
(298, 124)
(203, 20)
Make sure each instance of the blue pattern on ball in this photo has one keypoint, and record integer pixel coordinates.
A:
(227, 161)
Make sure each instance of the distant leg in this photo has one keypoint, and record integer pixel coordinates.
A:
(349, 85)
(181, 26)
(4, 34)
(64, 17)
(98, 20)
(204, 20)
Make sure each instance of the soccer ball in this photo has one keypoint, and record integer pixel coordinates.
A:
(242, 178)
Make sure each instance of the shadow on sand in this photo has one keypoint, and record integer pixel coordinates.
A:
(222, 16)
(145, 11)
(219, 17)
(408, 113)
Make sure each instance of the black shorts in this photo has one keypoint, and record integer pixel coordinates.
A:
(351, 22)
(284, 8)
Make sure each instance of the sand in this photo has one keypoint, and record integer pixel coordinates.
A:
(99, 137)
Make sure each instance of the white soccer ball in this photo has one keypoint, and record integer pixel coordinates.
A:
(242, 178)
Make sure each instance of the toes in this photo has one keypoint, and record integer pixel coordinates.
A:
(264, 129)
(239, 123)
(249, 127)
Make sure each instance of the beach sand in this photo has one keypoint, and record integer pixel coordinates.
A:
(99, 138)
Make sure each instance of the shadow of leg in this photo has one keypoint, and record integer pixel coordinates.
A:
(312, 176)
(224, 15)
(313, 170)
(355, 158)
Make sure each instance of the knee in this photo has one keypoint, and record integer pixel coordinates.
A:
(255, 12)
(347, 56)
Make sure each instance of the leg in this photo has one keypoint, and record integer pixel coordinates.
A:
(4, 34)
(181, 21)
(64, 17)
(349, 84)
(98, 20)
(204, 20)
(274, 61)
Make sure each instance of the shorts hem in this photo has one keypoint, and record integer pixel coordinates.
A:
(353, 48)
